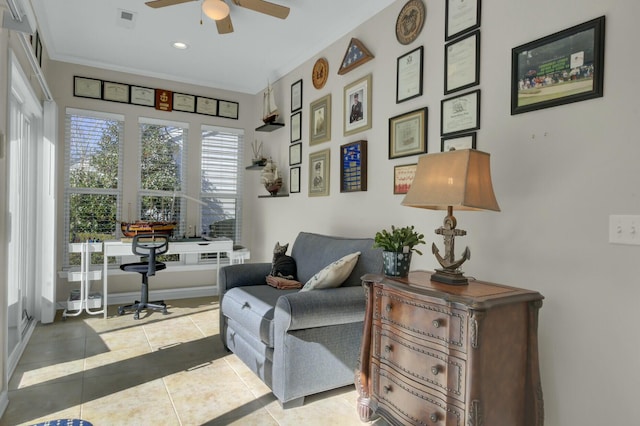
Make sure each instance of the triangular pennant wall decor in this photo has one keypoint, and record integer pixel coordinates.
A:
(356, 55)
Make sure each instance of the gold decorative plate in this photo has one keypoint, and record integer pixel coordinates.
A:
(320, 73)
(410, 21)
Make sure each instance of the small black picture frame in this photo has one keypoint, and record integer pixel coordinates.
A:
(296, 96)
(462, 63)
(561, 68)
(409, 75)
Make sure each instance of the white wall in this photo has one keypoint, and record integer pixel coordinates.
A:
(558, 174)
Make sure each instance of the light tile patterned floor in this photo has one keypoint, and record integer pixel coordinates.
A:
(160, 370)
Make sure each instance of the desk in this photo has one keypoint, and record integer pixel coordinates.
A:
(119, 248)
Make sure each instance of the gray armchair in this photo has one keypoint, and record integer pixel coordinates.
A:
(298, 343)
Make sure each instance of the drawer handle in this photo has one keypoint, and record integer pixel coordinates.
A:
(388, 307)
(435, 370)
(386, 389)
(436, 323)
(434, 417)
(388, 348)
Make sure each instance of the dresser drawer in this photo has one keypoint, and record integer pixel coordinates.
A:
(411, 405)
(435, 369)
(426, 320)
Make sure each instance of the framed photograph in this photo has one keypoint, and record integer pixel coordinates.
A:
(353, 167)
(87, 87)
(115, 92)
(319, 173)
(228, 109)
(408, 133)
(462, 63)
(409, 75)
(357, 106)
(403, 177)
(182, 102)
(558, 69)
(206, 106)
(294, 179)
(296, 95)
(461, 16)
(467, 141)
(296, 126)
(295, 154)
(144, 96)
(460, 113)
(320, 120)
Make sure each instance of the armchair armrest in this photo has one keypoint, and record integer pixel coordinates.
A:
(244, 274)
(319, 308)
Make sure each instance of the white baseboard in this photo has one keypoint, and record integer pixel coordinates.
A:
(168, 294)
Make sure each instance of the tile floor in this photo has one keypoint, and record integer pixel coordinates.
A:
(160, 370)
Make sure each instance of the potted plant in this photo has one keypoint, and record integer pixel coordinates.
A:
(397, 247)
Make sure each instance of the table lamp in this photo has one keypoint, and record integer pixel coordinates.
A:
(456, 179)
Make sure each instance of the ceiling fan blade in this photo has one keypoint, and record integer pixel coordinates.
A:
(266, 7)
(164, 3)
(224, 25)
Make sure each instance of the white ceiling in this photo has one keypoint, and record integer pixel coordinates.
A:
(262, 48)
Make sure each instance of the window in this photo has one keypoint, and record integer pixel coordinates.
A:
(163, 156)
(221, 193)
(93, 167)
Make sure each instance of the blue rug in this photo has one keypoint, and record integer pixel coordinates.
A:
(64, 422)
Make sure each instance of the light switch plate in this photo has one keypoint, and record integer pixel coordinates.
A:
(624, 229)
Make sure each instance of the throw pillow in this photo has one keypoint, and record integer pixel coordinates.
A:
(333, 275)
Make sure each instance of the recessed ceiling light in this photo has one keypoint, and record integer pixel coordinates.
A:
(180, 45)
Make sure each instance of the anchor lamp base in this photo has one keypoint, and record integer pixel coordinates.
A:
(445, 276)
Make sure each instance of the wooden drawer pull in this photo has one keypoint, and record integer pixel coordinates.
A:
(436, 323)
(434, 417)
(388, 348)
(388, 307)
(386, 389)
(435, 370)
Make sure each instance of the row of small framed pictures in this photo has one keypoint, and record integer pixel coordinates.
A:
(158, 98)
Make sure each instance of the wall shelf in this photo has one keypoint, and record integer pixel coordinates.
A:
(269, 127)
(273, 196)
(255, 167)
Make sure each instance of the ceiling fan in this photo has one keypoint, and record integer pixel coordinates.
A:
(218, 10)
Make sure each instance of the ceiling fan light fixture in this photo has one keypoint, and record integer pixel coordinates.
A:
(215, 9)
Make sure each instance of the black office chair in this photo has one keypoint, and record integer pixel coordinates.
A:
(149, 245)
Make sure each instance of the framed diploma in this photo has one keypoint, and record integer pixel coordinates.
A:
(296, 126)
(115, 92)
(353, 167)
(143, 96)
(182, 102)
(87, 87)
(295, 154)
(460, 113)
(294, 179)
(408, 133)
(462, 63)
(409, 75)
(466, 141)
(296, 95)
(461, 16)
(206, 106)
(228, 109)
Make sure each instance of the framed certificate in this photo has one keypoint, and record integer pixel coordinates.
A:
(296, 126)
(87, 87)
(409, 75)
(228, 109)
(460, 113)
(408, 133)
(296, 95)
(143, 96)
(466, 141)
(182, 102)
(462, 63)
(115, 92)
(461, 16)
(295, 154)
(294, 179)
(206, 106)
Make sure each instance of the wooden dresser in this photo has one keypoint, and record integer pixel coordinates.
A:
(436, 354)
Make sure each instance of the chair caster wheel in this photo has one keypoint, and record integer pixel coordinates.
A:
(120, 311)
(136, 316)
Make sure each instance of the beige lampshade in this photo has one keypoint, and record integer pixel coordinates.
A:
(215, 9)
(460, 179)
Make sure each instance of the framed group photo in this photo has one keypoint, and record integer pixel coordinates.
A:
(357, 106)
(320, 120)
(408, 133)
(558, 69)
